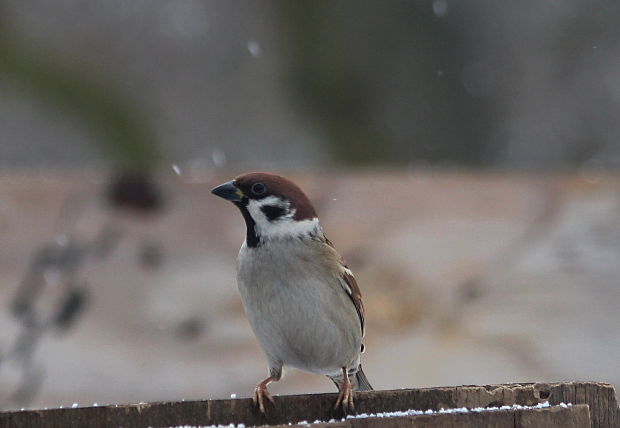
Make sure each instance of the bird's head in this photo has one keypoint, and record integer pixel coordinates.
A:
(274, 208)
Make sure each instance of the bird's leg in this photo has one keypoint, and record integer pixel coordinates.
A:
(260, 393)
(345, 397)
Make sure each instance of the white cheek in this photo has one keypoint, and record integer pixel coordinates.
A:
(284, 227)
(259, 217)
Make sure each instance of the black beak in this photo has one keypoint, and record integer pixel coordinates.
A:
(228, 191)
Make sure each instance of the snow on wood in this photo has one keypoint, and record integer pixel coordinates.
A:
(579, 404)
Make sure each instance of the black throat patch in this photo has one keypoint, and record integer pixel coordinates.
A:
(251, 238)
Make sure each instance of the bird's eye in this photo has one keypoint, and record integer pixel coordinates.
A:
(259, 189)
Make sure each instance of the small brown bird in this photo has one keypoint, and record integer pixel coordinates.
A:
(301, 299)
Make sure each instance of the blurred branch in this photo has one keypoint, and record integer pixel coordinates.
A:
(42, 306)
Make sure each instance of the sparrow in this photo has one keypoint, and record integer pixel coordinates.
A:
(301, 299)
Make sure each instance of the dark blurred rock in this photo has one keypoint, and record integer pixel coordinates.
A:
(135, 192)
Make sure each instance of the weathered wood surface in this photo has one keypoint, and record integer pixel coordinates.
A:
(576, 416)
(601, 399)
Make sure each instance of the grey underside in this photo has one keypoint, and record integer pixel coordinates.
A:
(288, 291)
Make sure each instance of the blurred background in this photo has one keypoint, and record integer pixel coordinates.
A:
(463, 157)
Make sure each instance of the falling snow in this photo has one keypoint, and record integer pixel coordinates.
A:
(254, 48)
(440, 7)
(218, 157)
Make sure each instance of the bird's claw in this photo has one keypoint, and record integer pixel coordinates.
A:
(345, 398)
(260, 393)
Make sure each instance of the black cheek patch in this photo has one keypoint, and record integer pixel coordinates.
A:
(273, 212)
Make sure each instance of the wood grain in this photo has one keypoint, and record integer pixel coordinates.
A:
(598, 402)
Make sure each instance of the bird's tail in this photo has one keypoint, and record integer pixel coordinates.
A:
(359, 381)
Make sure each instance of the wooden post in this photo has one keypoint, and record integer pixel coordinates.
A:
(592, 404)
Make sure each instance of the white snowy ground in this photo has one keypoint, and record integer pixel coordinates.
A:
(467, 279)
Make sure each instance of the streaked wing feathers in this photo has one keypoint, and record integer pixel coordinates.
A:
(352, 289)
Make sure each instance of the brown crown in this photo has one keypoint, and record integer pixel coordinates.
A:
(279, 186)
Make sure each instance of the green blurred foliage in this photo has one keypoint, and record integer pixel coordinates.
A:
(343, 57)
(120, 131)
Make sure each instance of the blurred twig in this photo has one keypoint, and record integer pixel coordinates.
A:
(39, 313)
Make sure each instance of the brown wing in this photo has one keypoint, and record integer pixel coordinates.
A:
(354, 293)
(349, 285)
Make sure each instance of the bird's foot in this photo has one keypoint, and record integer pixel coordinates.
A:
(345, 397)
(261, 396)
